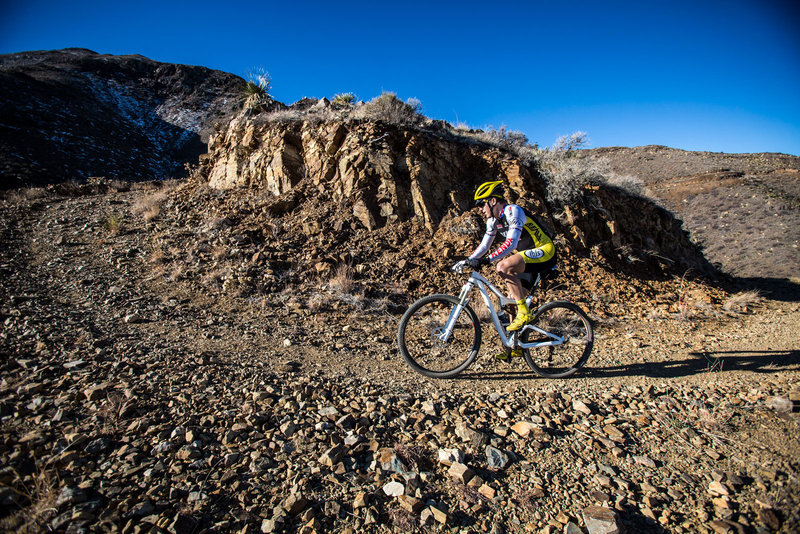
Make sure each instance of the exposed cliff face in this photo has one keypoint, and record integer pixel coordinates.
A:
(71, 114)
(390, 174)
(381, 175)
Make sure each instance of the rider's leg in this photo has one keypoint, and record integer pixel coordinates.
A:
(508, 269)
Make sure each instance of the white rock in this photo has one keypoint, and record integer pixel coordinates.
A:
(394, 489)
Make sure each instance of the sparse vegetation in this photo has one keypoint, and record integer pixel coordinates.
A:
(149, 206)
(204, 400)
(389, 108)
(256, 90)
(112, 222)
(36, 501)
(402, 519)
(566, 144)
(567, 176)
(743, 302)
(344, 99)
(23, 194)
(342, 279)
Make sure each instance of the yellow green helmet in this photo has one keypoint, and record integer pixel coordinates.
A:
(488, 189)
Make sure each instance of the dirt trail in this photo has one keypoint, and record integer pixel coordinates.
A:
(695, 392)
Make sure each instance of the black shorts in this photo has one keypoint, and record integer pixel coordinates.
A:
(532, 271)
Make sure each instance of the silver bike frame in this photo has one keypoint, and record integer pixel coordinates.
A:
(511, 341)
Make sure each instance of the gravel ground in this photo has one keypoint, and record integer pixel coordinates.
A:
(138, 394)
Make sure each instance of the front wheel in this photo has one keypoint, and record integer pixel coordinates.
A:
(423, 340)
(569, 324)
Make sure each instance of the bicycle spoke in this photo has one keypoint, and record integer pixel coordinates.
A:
(567, 322)
(425, 343)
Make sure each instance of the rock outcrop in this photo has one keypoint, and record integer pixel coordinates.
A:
(386, 174)
(392, 174)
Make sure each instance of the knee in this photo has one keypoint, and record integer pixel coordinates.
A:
(504, 268)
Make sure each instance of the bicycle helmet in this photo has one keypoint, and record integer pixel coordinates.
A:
(487, 190)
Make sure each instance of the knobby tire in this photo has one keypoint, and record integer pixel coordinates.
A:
(567, 320)
(420, 345)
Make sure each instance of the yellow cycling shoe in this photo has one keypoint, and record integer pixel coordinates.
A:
(519, 321)
(506, 355)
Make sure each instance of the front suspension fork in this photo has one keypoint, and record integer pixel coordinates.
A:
(463, 299)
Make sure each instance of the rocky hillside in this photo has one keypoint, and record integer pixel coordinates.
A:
(743, 209)
(71, 114)
(345, 175)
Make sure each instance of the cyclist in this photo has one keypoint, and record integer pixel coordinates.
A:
(535, 251)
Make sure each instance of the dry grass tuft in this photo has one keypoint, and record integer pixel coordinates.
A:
(390, 109)
(743, 302)
(23, 194)
(342, 279)
(36, 501)
(112, 222)
(149, 206)
(481, 310)
(402, 519)
(414, 456)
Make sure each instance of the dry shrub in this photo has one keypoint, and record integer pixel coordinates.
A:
(389, 108)
(511, 140)
(568, 143)
(402, 519)
(113, 411)
(416, 457)
(529, 499)
(149, 206)
(36, 501)
(112, 222)
(120, 186)
(567, 176)
(743, 302)
(23, 194)
(342, 279)
(316, 303)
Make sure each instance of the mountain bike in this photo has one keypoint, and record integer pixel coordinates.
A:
(440, 335)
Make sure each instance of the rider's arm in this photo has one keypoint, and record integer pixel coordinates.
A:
(516, 220)
(486, 242)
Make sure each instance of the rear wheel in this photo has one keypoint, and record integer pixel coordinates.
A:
(567, 322)
(421, 337)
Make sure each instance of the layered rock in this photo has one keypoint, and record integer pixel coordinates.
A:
(389, 174)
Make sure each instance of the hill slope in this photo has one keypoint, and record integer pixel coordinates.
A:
(71, 114)
(743, 209)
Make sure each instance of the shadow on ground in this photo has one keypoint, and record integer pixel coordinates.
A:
(780, 289)
(706, 362)
(697, 363)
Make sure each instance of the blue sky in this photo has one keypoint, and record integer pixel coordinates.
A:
(695, 75)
